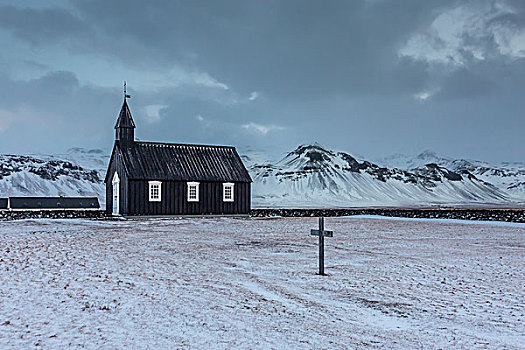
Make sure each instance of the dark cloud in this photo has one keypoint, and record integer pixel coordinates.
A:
(326, 71)
(54, 112)
(294, 48)
(39, 26)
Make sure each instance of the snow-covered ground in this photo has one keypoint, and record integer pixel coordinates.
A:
(250, 283)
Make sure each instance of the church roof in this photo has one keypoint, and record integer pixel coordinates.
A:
(125, 120)
(183, 162)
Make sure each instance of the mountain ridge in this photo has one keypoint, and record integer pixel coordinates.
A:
(314, 175)
(308, 176)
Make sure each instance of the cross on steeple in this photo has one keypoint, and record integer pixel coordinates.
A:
(125, 94)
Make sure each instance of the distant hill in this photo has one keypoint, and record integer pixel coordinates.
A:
(78, 172)
(313, 176)
(308, 176)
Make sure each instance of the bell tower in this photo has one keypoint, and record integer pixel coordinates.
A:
(125, 126)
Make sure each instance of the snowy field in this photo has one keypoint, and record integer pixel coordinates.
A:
(222, 283)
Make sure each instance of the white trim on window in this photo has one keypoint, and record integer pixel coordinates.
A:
(227, 191)
(155, 193)
(193, 191)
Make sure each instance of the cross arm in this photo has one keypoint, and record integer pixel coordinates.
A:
(325, 233)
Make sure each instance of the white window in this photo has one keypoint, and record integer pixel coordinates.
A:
(154, 191)
(227, 192)
(193, 191)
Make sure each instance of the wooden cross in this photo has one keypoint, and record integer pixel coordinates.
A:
(322, 233)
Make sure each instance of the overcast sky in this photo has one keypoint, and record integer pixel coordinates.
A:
(371, 77)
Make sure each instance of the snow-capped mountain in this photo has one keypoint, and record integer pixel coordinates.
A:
(78, 172)
(509, 177)
(313, 176)
(309, 176)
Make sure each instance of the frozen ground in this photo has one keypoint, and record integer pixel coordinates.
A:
(250, 283)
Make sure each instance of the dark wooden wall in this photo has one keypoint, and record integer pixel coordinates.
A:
(21, 203)
(174, 199)
(109, 189)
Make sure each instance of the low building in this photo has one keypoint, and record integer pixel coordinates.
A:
(49, 203)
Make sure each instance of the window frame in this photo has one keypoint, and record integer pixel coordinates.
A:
(189, 186)
(230, 185)
(151, 186)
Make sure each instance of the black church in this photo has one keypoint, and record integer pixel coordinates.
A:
(152, 178)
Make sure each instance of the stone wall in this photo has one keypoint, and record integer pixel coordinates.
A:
(508, 215)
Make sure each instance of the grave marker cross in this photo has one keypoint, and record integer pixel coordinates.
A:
(322, 233)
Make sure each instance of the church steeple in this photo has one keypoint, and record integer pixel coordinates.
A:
(125, 126)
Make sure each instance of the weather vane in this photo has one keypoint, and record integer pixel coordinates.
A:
(125, 94)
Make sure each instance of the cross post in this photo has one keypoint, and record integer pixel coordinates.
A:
(321, 246)
(322, 233)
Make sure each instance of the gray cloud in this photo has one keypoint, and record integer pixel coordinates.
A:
(369, 77)
(42, 25)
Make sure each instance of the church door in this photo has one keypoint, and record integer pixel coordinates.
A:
(116, 194)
